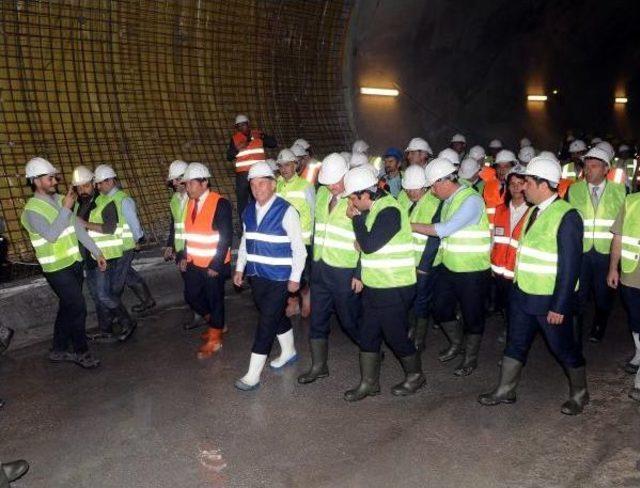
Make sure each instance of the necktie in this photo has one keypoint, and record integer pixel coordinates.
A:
(194, 212)
(333, 202)
(532, 219)
(502, 188)
(413, 205)
(595, 198)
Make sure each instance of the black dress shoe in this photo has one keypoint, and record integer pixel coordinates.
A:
(15, 470)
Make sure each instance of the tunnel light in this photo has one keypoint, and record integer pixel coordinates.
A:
(537, 98)
(384, 92)
(621, 100)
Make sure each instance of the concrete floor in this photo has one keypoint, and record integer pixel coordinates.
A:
(155, 416)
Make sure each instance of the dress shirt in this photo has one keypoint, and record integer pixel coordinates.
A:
(469, 213)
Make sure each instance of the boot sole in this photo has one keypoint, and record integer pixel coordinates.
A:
(362, 398)
(507, 401)
(289, 362)
(244, 387)
(409, 392)
(311, 380)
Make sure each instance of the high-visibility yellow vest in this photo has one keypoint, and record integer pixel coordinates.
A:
(293, 191)
(631, 234)
(178, 207)
(109, 244)
(333, 239)
(123, 230)
(422, 213)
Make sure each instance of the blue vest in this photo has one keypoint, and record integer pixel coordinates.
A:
(269, 253)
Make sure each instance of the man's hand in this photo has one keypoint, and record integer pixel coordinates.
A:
(613, 278)
(182, 265)
(356, 246)
(102, 263)
(352, 211)
(237, 278)
(555, 318)
(212, 273)
(293, 286)
(356, 285)
(69, 199)
(168, 254)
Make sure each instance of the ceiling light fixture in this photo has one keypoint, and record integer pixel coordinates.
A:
(384, 92)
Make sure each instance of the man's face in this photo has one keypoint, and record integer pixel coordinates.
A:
(595, 171)
(178, 184)
(244, 128)
(458, 147)
(337, 189)
(195, 188)
(516, 186)
(362, 202)
(415, 195)
(533, 191)
(502, 169)
(391, 165)
(85, 190)
(439, 189)
(417, 157)
(262, 189)
(287, 169)
(106, 186)
(47, 184)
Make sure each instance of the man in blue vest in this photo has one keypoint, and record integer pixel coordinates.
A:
(272, 254)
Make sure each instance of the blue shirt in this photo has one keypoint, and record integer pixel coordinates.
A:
(130, 215)
(469, 213)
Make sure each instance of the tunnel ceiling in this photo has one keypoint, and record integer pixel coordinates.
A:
(468, 66)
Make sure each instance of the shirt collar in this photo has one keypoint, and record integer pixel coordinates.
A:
(599, 187)
(267, 204)
(112, 191)
(543, 205)
(460, 187)
(203, 197)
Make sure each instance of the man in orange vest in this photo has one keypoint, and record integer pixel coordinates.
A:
(207, 257)
(495, 190)
(245, 148)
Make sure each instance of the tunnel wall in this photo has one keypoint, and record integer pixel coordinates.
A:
(138, 83)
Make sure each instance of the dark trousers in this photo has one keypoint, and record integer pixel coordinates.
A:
(384, 316)
(631, 301)
(331, 293)
(561, 338)
(593, 282)
(205, 294)
(119, 276)
(243, 192)
(102, 293)
(425, 288)
(270, 298)
(70, 321)
(467, 289)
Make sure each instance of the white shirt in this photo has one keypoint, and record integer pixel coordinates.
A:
(201, 200)
(516, 213)
(543, 205)
(291, 225)
(600, 188)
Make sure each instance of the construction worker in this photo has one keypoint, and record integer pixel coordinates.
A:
(360, 147)
(100, 217)
(469, 174)
(418, 152)
(246, 147)
(598, 201)
(272, 254)
(626, 161)
(54, 233)
(305, 145)
(573, 168)
(458, 144)
(423, 208)
(308, 167)
(495, 146)
(462, 263)
(617, 175)
(526, 154)
(335, 275)
(206, 260)
(625, 253)
(544, 291)
(130, 230)
(383, 236)
(12, 471)
(495, 190)
(391, 179)
(301, 194)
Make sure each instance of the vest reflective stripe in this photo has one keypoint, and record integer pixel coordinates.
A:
(109, 244)
(201, 238)
(422, 213)
(293, 191)
(537, 256)
(391, 266)
(253, 153)
(333, 239)
(52, 256)
(468, 249)
(569, 171)
(123, 230)
(631, 233)
(310, 172)
(617, 175)
(269, 253)
(597, 222)
(492, 198)
(178, 212)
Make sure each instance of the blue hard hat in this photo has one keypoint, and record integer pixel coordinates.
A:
(393, 152)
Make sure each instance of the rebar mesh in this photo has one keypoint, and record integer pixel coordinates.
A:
(138, 83)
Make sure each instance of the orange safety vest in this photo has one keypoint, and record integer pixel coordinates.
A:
(487, 173)
(492, 198)
(201, 240)
(253, 153)
(310, 172)
(505, 242)
(563, 186)
(617, 175)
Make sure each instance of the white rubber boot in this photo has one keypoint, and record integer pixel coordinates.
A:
(288, 354)
(251, 380)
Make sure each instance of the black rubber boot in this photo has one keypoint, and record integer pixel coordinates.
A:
(578, 394)
(505, 392)
(471, 351)
(141, 290)
(319, 368)
(6, 334)
(414, 378)
(369, 377)
(598, 327)
(453, 331)
(14, 470)
(127, 324)
(422, 326)
(412, 321)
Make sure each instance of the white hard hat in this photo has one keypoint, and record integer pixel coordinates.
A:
(260, 170)
(196, 171)
(359, 179)
(608, 148)
(518, 169)
(623, 148)
(241, 119)
(577, 146)
(595, 141)
(333, 169)
(103, 172)
(39, 167)
(272, 164)
(495, 144)
(286, 156)
(451, 155)
(359, 147)
(544, 167)
(506, 156)
(414, 178)
(548, 154)
(298, 150)
(597, 153)
(477, 153)
(468, 168)
(526, 154)
(346, 155)
(524, 142)
(177, 169)
(301, 142)
(81, 175)
(459, 138)
(357, 160)
(437, 169)
(418, 144)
